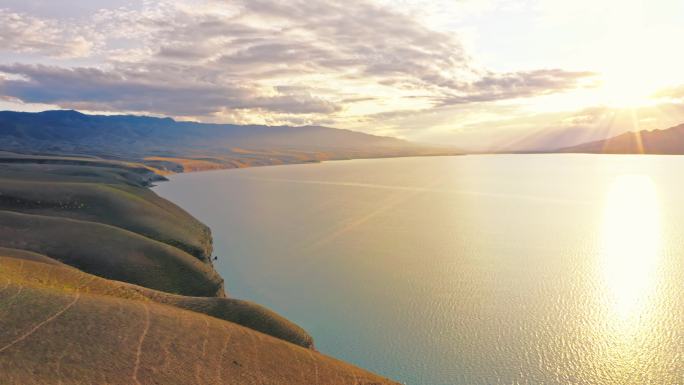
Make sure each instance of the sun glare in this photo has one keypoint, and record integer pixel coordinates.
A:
(633, 57)
(631, 245)
(623, 89)
(630, 81)
(629, 78)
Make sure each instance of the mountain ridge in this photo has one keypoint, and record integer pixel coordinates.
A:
(13, 122)
(668, 141)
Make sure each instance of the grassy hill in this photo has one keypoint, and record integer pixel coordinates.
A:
(667, 141)
(101, 219)
(102, 281)
(110, 252)
(131, 208)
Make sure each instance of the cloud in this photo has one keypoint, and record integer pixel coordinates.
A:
(515, 85)
(299, 60)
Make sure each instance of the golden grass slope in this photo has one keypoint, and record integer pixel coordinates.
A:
(62, 326)
(55, 275)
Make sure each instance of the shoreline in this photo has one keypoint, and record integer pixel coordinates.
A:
(166, 173)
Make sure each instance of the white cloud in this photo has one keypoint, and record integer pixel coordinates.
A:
(25, 33)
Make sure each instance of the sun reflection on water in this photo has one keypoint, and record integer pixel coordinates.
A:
(630, 259)
(629, 263)
(631, 249)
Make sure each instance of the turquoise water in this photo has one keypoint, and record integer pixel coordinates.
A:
(500, 269)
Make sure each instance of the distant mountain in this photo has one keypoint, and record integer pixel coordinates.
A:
(75, 127)
(168, 144)
(551, 139)
(667, 141)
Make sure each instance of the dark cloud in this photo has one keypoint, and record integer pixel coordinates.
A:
(94, 89)
(494, 87)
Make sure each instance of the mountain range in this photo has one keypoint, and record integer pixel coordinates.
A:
(187, 146)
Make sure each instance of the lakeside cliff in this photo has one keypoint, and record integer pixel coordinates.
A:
(103, 281)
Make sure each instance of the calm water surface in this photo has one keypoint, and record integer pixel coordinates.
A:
(520, 269)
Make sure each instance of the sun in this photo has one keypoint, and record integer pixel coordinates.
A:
(634, 58)
(626, 89)
(630, 74)
(632, 79)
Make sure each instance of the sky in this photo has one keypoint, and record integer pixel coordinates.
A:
(475, 74)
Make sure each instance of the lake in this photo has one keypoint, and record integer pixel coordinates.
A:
(492, 269)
